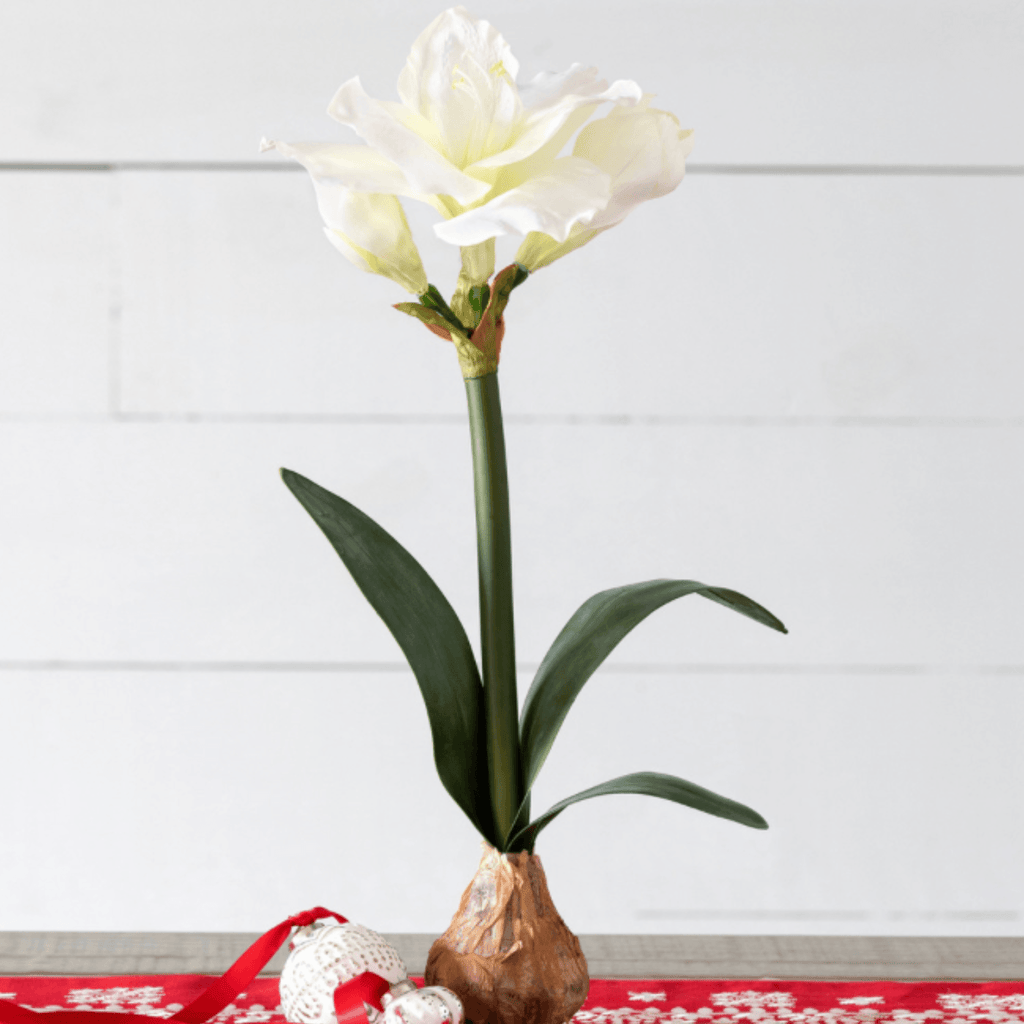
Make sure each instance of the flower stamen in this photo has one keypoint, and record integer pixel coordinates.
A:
(501, 71)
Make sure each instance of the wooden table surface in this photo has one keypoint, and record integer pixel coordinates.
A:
(608, 956)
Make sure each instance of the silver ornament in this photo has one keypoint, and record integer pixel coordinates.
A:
(324, 956)
(431, 1005)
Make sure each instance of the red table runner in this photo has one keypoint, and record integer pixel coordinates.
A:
(634, 1001)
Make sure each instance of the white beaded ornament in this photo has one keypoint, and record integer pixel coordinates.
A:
(324, 956)
(431, 1005)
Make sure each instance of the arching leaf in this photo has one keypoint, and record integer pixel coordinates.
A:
(430, 635)
(668, 787)
(587, 639)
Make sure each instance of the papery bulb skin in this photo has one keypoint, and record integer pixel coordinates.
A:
(507, 954)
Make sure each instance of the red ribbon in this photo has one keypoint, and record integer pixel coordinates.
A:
(348, 998)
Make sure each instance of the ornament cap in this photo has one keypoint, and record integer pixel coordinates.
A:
(398, 989)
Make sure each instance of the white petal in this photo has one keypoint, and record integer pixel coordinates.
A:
(371, 230)
(358, 167)
(455, 27)
(548, 102)
(460, 76)
(373, 222)
(572, 192)
(643, 151)
(349, 251)
(539, 250)
(644, 154)
(405, 138)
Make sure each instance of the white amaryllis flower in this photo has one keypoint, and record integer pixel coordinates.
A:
(643, 152)
(469, 142)
(367, 227)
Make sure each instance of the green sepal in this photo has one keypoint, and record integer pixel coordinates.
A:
(472, 361)
(485, 335)
(424, 315)
(521, 275)
(477, 268)
(433, 299)
(478, 297)
(587, 639)
(430, 636)
(504, 281)
(667, 787)
(470, 301)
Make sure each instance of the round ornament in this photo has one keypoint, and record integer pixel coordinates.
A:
(324, 956)
(431, 1005)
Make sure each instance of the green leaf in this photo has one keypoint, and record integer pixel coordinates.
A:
(587, 639)
(522, 819)
(430, 635)
(668, 787)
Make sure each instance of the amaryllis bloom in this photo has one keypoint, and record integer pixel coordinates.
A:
(644, 154)
(483, 152)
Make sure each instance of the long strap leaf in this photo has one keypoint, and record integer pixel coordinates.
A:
(430, 635)
(587, 639)
(668, 787)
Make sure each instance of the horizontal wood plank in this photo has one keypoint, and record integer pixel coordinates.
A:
(178, 542)
(759, 296)
(204, 801)
(794, 81)
(765, 298)
(59, 293)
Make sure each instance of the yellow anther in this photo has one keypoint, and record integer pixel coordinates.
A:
(500, 70)
(457, 77)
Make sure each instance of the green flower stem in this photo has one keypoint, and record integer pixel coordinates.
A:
(494, 559)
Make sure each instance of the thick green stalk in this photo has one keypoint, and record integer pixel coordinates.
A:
(494, 559)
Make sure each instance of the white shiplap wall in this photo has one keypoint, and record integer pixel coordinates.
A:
(799, 376)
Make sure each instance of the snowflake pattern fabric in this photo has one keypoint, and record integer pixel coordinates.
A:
(629, 1001)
